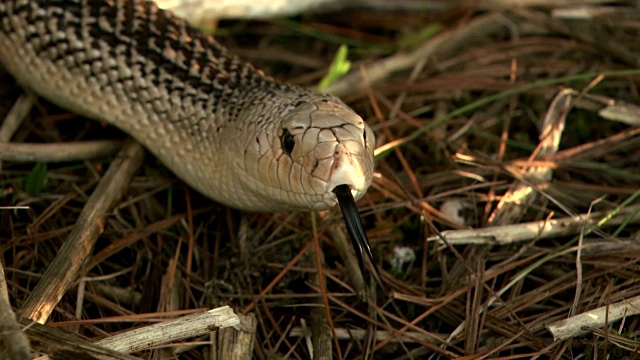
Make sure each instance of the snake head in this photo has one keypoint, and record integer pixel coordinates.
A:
(318, 145)
(327, 144)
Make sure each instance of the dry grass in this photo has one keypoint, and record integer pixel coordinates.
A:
(502, 113)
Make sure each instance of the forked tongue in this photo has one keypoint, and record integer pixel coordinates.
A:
(358, 237)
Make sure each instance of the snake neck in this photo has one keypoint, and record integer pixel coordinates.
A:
(153, 54)
(198, 108)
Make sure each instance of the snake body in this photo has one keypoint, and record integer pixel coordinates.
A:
(236, 135)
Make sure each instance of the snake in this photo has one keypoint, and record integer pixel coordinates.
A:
(238, 136)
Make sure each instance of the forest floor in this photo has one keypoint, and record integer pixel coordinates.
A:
(504, 214)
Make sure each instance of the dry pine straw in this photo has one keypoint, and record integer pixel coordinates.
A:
(165, 247)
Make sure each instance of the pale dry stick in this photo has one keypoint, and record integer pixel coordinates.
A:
(62, 345)
(320, 334)
(16, 115)
(621, 112)
(552, 4)
(515, 202)
(58, 152)
(581, 12)
(200, 11)
(191, 325)
(235, 343)
(597, 318)
(380, 335)
(510, 234)
(440, 45)
(608, 108)
(13, 343)
(64, 269)
(162, 333)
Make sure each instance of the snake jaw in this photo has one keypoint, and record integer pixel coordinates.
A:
(348, 170)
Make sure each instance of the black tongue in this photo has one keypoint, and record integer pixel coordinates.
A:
(358, 237)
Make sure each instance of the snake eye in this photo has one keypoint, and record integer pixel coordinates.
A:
(288, 142)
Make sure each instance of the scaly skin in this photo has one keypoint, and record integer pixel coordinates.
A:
(214, 120)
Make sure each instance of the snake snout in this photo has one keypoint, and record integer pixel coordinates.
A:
(348, 169)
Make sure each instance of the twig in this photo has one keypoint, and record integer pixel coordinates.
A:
(236, 343)
(63, 270)
(17, 114)
(515, 202)
(205, 11)
(596, 318)
(619, 111)
(54, 343)
(162, 333)
(509, 234)
(320, 334)
(58, 152)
